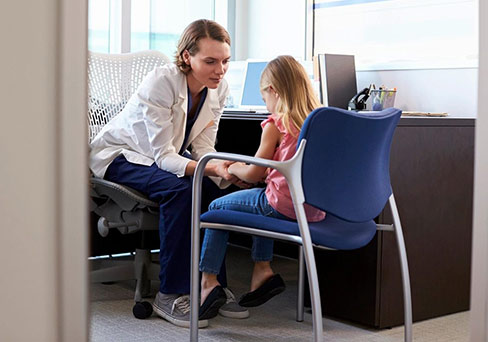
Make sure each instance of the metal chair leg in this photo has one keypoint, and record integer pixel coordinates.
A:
(312, 274)
(407, 300)
(195, 248)
(301, 281)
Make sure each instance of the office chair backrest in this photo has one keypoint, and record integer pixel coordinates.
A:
(112, 79)
(345, 168)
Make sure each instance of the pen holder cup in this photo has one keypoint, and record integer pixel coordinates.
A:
(382, 99)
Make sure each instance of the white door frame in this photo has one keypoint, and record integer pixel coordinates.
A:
(43, 171)
(73, 181)
(479, 269)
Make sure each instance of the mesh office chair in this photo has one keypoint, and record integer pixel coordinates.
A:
(342, 167)
(112, 79)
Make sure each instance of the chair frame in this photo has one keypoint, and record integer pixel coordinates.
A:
(291, 170)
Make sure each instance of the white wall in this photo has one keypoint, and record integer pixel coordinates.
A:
(436, 90)
(273, 27)
(479, 269)
(28, 193)
(43, 224)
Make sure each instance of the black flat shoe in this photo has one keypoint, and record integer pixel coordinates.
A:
(273, 286)
(213, 302)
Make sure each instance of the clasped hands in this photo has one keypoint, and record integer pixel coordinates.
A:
(222, 169)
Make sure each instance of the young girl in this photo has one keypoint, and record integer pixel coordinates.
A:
(289, 96)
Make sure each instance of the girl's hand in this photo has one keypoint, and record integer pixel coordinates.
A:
(222, 170)
(239, 182)
(233, 166)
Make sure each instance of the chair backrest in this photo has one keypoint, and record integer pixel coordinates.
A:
(345, 168)
(112, 79)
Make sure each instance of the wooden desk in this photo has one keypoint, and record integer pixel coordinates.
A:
(431, 168)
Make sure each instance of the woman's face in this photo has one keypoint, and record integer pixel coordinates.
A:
(210, 63)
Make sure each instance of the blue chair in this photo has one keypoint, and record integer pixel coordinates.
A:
(342, 167)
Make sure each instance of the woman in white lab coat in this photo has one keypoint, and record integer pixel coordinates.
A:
(154, 144)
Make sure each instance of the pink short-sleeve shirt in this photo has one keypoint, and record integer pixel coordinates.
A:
(277, 191)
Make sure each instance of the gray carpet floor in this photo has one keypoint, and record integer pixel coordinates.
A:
(112, 319)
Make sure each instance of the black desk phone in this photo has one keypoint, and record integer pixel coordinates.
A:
(358, 101)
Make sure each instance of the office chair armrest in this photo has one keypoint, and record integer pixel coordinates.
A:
(125, 197)
(200, 168)
(237, 158)
(290, 169)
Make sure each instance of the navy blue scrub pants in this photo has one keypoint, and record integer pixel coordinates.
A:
(174, 196)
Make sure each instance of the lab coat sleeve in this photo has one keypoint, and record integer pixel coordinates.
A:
(157, 96)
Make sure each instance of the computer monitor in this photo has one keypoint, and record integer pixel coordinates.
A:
(337, 79)
(251, 96)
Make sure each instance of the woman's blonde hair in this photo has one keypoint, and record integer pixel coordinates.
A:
(291, 82)
(202, 28)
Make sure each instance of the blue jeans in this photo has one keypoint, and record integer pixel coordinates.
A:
(252, 201)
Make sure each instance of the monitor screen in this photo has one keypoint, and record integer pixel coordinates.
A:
(251, 96)
(338, 79)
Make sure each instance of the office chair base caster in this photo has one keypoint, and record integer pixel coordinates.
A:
(142, 310)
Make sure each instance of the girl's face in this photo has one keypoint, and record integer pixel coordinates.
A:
(209, 64)
(270, 97)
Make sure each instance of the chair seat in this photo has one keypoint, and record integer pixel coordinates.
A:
(332, 232)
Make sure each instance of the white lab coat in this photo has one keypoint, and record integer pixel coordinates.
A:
(151, 127)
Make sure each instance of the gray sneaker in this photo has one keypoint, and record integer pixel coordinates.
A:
(175, 309)
(231, 309)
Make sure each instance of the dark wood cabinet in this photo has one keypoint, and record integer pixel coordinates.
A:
(431, 167)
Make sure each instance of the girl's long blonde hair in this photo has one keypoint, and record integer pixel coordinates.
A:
(296, 95)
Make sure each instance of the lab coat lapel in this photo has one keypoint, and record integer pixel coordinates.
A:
(179, 120)
(207, 115)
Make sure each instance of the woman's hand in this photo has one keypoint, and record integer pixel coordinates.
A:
(221, 169)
